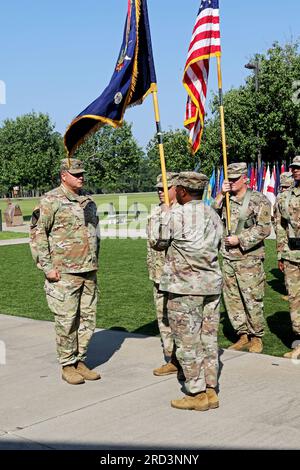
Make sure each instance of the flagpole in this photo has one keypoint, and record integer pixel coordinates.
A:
(161, 147)
(223, 141)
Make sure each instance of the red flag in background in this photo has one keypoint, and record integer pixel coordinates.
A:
(252, 178)
(205, 43)
(254, 186)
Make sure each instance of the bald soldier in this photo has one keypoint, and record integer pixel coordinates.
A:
(288, 249)
(191, 233)
(67, 247)
(243, 254)
(155, 262)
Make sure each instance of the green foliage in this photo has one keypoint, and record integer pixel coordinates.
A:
(177, 151)
(268, 118)
(278, 113)
(112, 159)
(29, 152)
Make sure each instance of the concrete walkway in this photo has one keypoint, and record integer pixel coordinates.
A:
(129, 408)
(112, 233)
(14, 241)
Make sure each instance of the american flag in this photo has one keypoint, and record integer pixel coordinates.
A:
(205, 43)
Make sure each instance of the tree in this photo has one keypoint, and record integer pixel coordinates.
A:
(177, 151)
(30, 151)
(112, 159)
(269, 118)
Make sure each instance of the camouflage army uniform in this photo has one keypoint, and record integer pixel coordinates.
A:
(243, 272)
(286, 181)
(191, 233)
(155, 263)
(287, 219)
(67, 240)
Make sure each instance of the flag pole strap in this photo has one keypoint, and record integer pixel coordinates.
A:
(224, 149)
(161, 147)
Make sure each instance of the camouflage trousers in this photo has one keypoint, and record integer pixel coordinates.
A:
(194, 320)
(292, 280)
(243, 292)
(73, 300)
(160, 300)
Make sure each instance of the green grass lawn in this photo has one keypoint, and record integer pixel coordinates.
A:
(102, 200)
(10, 235)
(126, 293)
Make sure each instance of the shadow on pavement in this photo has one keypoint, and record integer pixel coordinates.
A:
(228, 331)
(104, 344)
(12, 445)
(280, 325)
(277, 284)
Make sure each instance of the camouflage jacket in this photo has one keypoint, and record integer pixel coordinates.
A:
(256, 228)
(155, 259)
(67, 233)
(283, 230)
(191, 234)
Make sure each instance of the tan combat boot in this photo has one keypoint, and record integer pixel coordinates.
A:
(165, 369)
(242, 343)
(294, 354)
(86, 373)
(213, 400)
(199, 402)
(70, 375)
(256, 345)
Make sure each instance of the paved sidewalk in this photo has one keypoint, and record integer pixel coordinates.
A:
(114, 231)
(14, 241)
(111, 232)
(129, 408)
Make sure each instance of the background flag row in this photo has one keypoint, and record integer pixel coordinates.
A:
(266, 180)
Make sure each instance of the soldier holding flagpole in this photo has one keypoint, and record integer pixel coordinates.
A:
(243, 254)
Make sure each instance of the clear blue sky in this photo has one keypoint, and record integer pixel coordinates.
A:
(58, 56)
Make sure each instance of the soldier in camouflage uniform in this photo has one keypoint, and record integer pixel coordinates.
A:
(192, 233)
(155, 262)
(286, 181)
(288, 248)
(243, 254)
(67, 245)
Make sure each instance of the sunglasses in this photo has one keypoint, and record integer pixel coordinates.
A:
(77, 175)
(233, 180)
(161, 190)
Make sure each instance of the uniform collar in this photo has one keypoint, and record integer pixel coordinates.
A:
(70, 195)
(237, 199)
(296, 190)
